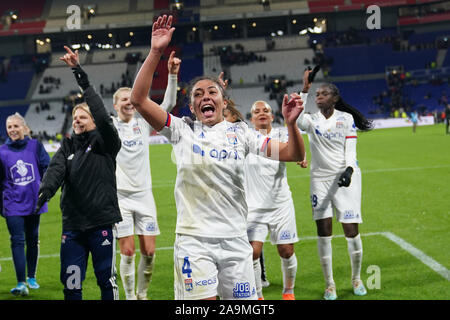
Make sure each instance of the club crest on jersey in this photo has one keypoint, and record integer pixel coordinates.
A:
(232, 138)
(136, 130)
(339, 124)
(188, 285)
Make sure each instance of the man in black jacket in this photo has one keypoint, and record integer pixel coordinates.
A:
(85, 167)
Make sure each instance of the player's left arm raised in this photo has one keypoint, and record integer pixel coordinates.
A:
(294, 149)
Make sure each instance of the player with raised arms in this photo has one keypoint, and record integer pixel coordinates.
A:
(212, 255)
(270, 204)
(335, 176)
(134, 187)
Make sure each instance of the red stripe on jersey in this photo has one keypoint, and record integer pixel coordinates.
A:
(168, 120)
(265, 144)
(350, 137)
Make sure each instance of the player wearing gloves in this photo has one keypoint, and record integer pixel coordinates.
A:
(335, 176)
(85, 167)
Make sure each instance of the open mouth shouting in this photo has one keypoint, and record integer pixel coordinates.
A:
(208, 110)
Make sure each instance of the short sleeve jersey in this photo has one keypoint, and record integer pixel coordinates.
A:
(133, 165)
(327, 138)
(266, 180)
(209, 188)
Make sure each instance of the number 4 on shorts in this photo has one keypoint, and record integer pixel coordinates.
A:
(186, 269)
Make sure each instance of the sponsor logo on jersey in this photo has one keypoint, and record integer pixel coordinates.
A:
(132, 143)
(241, 290)
(208, 282)
(216, 154)
(330, 135)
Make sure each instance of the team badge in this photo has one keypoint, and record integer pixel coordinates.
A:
(136, 130)
(188, 284)
(339, 125)
(232, 138)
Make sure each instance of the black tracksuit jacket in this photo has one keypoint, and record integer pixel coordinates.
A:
(85, 168)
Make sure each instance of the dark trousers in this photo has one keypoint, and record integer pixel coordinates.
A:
(75, 249)
(24, 230)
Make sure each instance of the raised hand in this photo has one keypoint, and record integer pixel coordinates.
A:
(291, 108)
(173, 64)
(224, 83)
(70, 58)
(162, 31)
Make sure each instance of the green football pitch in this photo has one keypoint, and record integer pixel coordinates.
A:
(406, 214)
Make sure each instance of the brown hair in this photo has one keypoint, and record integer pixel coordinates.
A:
(231, 106)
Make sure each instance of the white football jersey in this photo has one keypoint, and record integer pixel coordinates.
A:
(133, 164)
(266, 180)
(332, 142)
(209, 188)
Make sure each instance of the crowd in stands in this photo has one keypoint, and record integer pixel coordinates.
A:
(50, 84)
(236, 56)
(126, 81)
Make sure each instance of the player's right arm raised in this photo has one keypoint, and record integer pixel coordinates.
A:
(162, 31)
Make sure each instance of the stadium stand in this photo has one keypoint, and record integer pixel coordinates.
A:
(358, 61)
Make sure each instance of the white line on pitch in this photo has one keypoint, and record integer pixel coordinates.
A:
(430, 262)
(420, 255)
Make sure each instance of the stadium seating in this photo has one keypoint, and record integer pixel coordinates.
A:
(17, 85)
(26, 9)
(362, 59)
(37, 121)
(289, 63)
(98, 74)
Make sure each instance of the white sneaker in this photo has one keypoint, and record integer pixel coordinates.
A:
(265, 283)
(330, 293)
(358, 288)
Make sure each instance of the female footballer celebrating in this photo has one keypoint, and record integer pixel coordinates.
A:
(212, 255)
(335, 177)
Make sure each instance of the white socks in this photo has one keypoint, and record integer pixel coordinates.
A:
(354, 246)
(145, 272)
(258, 281)
(127, 274)
(325, 256)
(289, 270)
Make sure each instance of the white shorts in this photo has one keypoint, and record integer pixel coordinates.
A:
(210, 267)
(279, 221)
(138, 214)
(327, 196)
